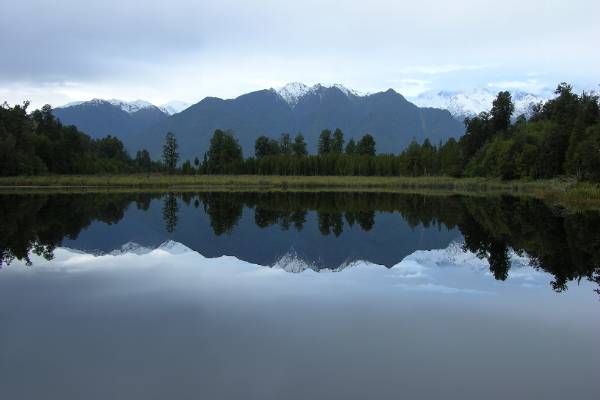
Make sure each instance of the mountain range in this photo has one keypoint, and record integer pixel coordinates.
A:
(391, 118)
(388, 116)
(463, 104)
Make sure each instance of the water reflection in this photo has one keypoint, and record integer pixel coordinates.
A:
(326, 228)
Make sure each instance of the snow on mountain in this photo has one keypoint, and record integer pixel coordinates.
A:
(131, 107)
(174, 107)
(469, 103)
(294, 91)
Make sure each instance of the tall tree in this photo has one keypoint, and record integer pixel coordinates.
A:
(143, 161)
(351, 147)
(337, 144)
(285, 144)
(502, 110)
(224, 152)
(325, 142)
(366, 145)
(170, 154)
(299, 146)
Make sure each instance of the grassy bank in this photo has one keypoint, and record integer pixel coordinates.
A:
(561, 190)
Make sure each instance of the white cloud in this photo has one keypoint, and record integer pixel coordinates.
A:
(72, 50)
(530, 85)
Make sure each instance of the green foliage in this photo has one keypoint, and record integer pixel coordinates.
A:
(265, 146)
(170, 154)
(561, 137)
(285, 144)
(502, 110)
(186, 168)
(224, 154)
(325, 142)
(351, 147)
(366, 146)
(337, 144)
(37, 143)
(299, 146)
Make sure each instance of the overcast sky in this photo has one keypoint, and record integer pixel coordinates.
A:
(65, 50)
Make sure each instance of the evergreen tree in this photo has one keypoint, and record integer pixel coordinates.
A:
(170, 154)
(285, 144)
(143, 161)
(366, 145)
(502, 110)
(351, 147)
(337, 144)
(299, 146)
(325, 142)
(224, 154)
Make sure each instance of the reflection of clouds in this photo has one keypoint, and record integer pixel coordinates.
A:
(432, 287)
(444, 271)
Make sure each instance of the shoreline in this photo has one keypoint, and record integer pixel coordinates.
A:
(562, 191)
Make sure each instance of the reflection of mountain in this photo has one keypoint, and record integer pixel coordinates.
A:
(325, 229)
(449, 270)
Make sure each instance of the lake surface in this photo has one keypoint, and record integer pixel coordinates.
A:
(296, 295)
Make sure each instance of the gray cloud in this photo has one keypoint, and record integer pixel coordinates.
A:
(189, 49)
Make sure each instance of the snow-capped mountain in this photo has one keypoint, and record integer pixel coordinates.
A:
(98, 117)
(293, 92)
(129, 107)
(174, 107)
(463, 104)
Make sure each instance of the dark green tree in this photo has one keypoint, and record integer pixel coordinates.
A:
(502, 110)
(366, 145)
(170, 154)
(337, 144)
(143, 161)
(285, 144)
(299, 146)
(224, 154)
(351, 147)
(325, 142)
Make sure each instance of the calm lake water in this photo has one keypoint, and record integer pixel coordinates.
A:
(295, 296)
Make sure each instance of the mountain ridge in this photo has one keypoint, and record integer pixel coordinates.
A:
(392, 119)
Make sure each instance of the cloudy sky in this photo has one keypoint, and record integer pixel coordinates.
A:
(66, 50)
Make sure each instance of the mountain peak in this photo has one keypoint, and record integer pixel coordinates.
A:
(468, 103)
(129, 107)
(293, 92)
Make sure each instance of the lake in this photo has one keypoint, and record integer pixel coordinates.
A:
(296, 295)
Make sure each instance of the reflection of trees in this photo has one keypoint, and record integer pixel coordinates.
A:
(567, 246)
(223, 209)
(564, 245)
(39, 223)
(330, 222)
(169, 212)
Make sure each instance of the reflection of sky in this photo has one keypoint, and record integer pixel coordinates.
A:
(169, 322)
(389, 241)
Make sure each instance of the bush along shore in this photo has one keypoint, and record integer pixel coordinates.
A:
(559, 190)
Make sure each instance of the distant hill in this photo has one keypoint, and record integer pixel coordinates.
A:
(99, 118)
(388, 116)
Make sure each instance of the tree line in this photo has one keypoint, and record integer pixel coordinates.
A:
(562, 136)
(37, 143)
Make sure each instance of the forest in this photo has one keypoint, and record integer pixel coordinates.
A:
(560, 137)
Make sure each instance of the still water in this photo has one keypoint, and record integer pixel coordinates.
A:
(296, 295)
